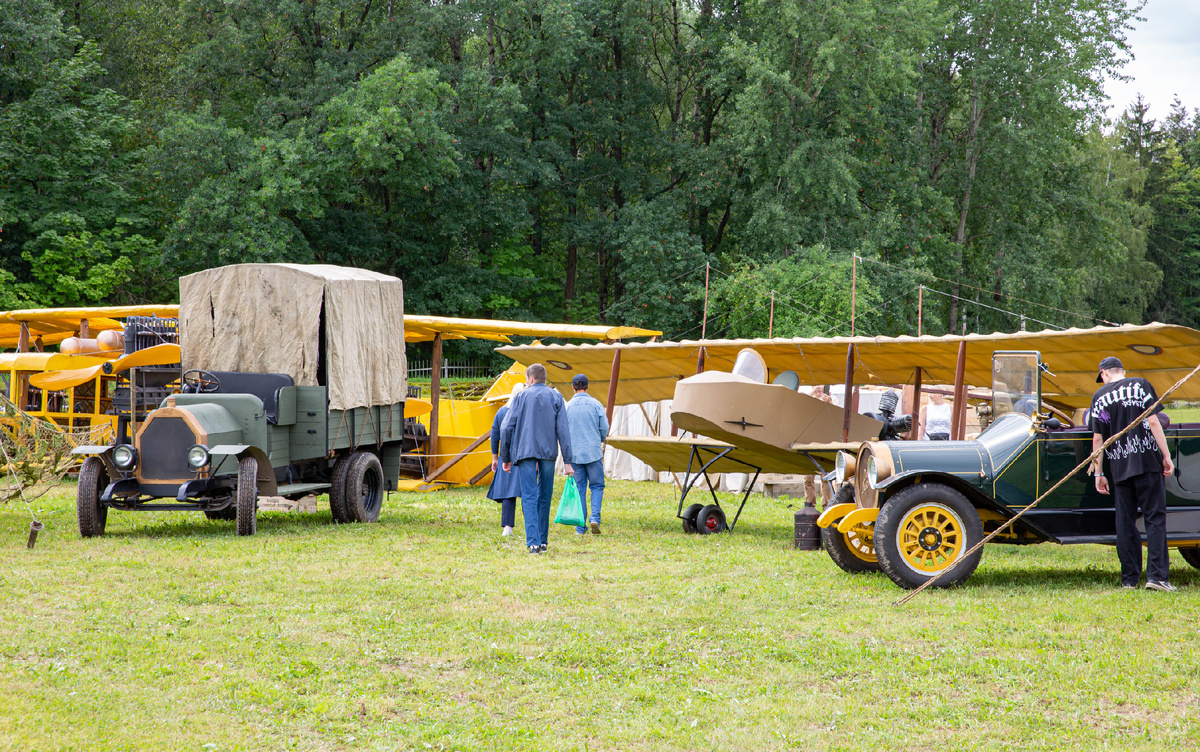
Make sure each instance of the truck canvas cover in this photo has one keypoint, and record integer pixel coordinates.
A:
(268, 318)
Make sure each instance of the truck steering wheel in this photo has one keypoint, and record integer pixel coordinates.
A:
(200, 382)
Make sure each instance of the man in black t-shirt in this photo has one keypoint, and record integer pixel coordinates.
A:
(1138, 461)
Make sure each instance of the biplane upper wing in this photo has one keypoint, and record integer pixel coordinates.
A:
(54, 325)
(419, 328)
(1161, 353)
(673, 455)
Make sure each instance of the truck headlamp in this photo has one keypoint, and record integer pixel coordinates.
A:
(124, 457)
(872, 472)
(197, 457)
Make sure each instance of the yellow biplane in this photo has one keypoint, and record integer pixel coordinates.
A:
(735, 433)
(88, 338)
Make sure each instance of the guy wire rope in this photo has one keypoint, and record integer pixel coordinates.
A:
(1091, 458)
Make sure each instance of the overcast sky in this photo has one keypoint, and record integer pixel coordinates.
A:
(1167, 50)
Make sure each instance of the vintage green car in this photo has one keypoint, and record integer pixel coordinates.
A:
(914, 509)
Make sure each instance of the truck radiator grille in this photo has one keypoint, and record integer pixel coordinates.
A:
(164, 443)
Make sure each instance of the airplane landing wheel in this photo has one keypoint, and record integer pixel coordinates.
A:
(710, 520)
(689, 517)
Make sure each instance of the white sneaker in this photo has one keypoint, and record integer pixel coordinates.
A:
(507, 531)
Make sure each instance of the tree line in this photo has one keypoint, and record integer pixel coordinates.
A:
(584, 161)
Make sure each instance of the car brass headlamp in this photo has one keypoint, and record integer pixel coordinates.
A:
(878, 469)
(197, 456)
(844, 467)
(124, 457)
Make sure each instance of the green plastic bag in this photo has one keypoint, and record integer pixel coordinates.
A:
(570, 508)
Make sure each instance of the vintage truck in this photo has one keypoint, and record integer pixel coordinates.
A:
(913, 509)
(293, 383)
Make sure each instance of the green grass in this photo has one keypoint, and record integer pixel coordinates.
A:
(429, 631)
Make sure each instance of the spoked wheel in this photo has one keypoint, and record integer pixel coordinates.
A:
(854, 550)
(689, 518)
(247, 496)
(337, 490)
(1191, 556)
(925, 530)
(711, 520)
(92, 513)
(364, 488)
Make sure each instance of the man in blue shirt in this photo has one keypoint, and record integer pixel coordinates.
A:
(533, 431)
(589, 429)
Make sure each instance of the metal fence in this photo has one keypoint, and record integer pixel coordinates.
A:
(470, 369)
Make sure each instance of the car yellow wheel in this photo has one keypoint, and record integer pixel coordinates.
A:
(860, 541)
(930, 538)
(854, 550)
(925, 530)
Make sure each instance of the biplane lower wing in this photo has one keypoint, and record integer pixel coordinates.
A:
(696, 457)
(672, 455)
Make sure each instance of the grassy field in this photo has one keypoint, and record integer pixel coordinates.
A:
(429, 631)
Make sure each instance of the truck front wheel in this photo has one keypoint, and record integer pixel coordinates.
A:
(92, 513)
(925, 530)
(247, 496)
(363, 489)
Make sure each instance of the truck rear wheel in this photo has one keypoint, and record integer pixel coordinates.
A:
(247, 496)
(363, 489)
(92, 513)
(337, 489)
(925, 530)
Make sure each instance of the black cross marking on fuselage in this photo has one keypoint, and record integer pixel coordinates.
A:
(743, 423)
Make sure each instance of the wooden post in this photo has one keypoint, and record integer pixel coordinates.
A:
(704, 321)
(853, 290)
(700, 361)
(960, 394)
(435, 388)
(916, 404)
(920, 300)
(23, 338)
(846, 395)
(771, 319)
(85, 331)
(612, 384)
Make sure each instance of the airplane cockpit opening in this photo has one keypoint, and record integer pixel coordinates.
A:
(750, 365)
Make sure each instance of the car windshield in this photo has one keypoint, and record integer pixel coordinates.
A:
(1015, 385)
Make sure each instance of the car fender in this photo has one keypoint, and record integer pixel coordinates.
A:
(974, 494)
(863, 516)
(834, 513)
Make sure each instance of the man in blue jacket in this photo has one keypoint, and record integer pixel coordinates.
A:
(533, 432)
(589, 429)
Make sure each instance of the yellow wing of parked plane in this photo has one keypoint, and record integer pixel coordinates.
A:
(54, 325)
(1161, 353)
(672, 455)
(424, 328)
(151, 356)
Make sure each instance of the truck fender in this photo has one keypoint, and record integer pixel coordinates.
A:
(266, 474)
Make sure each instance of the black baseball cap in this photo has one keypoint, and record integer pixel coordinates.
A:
(579, 381)
(1107, 363)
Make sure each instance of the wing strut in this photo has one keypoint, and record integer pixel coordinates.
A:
(689, 479)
